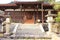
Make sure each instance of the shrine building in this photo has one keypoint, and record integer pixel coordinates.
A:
(27, 12)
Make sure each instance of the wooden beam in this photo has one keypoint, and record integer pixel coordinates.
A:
(24, 10)
(42, 13)
(49, 9)
(9, 9)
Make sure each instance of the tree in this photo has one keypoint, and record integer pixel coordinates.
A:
(57, 7)
(57, 19)
(48, 1)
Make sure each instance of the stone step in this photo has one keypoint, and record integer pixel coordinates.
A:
(29, 30)
(29, 26)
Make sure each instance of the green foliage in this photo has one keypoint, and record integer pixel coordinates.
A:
(57, 7)
(48, 1)
(57, 19)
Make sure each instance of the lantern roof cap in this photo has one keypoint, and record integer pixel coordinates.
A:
(50, 15)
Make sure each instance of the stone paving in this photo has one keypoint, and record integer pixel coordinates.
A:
(27, 31)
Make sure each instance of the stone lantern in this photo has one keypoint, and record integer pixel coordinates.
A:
(7, 26)
(5, 21)
(50, 20)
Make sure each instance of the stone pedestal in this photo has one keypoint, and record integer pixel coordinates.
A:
(50, 24)
(49, 33)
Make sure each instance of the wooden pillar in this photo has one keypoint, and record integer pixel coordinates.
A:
(21, 14)
(42, 14)
(14, 16)
(37, 12)
(24, 15)
(34, 16)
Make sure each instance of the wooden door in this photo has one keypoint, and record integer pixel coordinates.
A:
(28, 17)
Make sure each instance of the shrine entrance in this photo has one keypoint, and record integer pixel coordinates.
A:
(29, 17)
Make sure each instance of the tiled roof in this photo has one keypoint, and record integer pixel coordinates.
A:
(36, 2)
(8, 5)
(17, 3)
